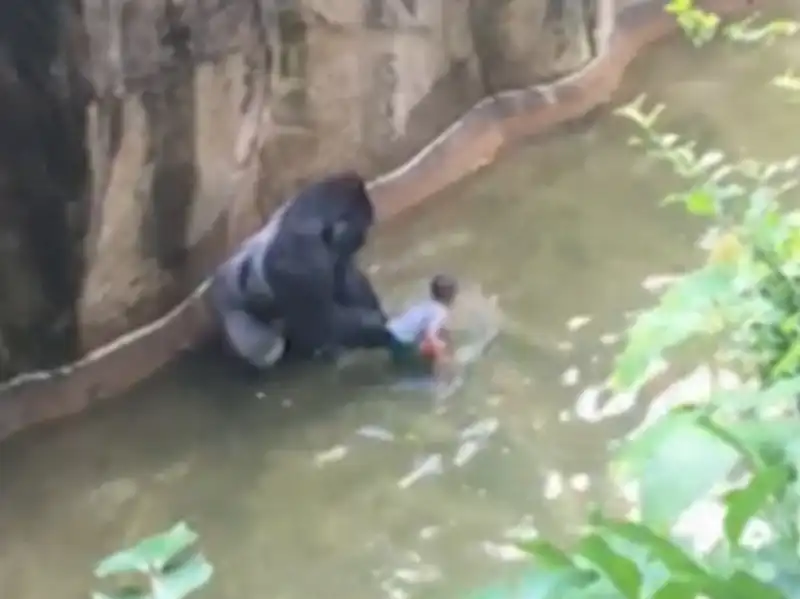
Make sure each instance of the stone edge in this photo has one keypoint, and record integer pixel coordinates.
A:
(493, 124)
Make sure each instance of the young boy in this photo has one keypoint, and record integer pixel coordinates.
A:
(419, 334)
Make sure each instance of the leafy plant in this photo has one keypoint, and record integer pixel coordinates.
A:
(164, 566)
(699, 25)
(748, 292)
(745, 299)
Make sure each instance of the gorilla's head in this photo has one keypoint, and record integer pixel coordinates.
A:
(347, 233)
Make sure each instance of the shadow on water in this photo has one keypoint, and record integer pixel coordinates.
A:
(309, 485)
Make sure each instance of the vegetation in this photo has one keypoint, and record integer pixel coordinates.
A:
(745, 300)
(164, 566)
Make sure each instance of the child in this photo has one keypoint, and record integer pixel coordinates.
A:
(419, 337)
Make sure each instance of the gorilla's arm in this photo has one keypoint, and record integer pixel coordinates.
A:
(353, 288)
(355, 327)
(299, 269)
(301, 272)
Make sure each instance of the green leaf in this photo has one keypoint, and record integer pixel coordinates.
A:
(677, 589)
(184, 579)
(725, 435)
(547, 584)
(687, 309)
(771, 437)
(661, 549)
(621, 572)
(789, 363)
(747, 586)
(634, 112)
(546, 554)
(679, 6)
(709, 160)
(152, 553)
(677, 463)
(743, 504)
(128, 592)
(780, 394)
(667, 140)
(632, 365)
(701, 202)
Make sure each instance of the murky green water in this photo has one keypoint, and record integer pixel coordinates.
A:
(295, 498)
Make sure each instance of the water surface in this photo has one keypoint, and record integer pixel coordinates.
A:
(295, 498)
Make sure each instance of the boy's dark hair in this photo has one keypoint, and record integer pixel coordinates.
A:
(444, 288)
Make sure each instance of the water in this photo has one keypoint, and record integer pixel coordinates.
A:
(318, 485)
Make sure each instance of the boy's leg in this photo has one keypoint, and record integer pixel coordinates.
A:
(407, 357)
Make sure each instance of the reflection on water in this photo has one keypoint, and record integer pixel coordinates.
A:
(314, 485)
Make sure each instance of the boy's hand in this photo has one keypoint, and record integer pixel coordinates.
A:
(433, 347)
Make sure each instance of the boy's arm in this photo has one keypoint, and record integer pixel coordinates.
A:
(440, 338)
(437, 328)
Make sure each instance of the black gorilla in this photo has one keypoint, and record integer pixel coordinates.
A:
(294, 287)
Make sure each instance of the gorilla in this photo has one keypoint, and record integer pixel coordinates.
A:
(293, 289)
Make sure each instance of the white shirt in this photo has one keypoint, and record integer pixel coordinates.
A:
(417, 321)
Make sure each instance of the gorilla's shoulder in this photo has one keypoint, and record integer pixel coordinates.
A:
(299, 247)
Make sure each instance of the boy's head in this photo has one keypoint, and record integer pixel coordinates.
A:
(444, 289)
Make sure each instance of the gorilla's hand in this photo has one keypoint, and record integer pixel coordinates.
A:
(360, 328)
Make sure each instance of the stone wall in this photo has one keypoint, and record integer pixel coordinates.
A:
(198, 116)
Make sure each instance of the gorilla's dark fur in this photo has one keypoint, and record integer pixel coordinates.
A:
(295, 283)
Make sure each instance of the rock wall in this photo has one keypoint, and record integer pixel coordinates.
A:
(144, 138)
(211, 111)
